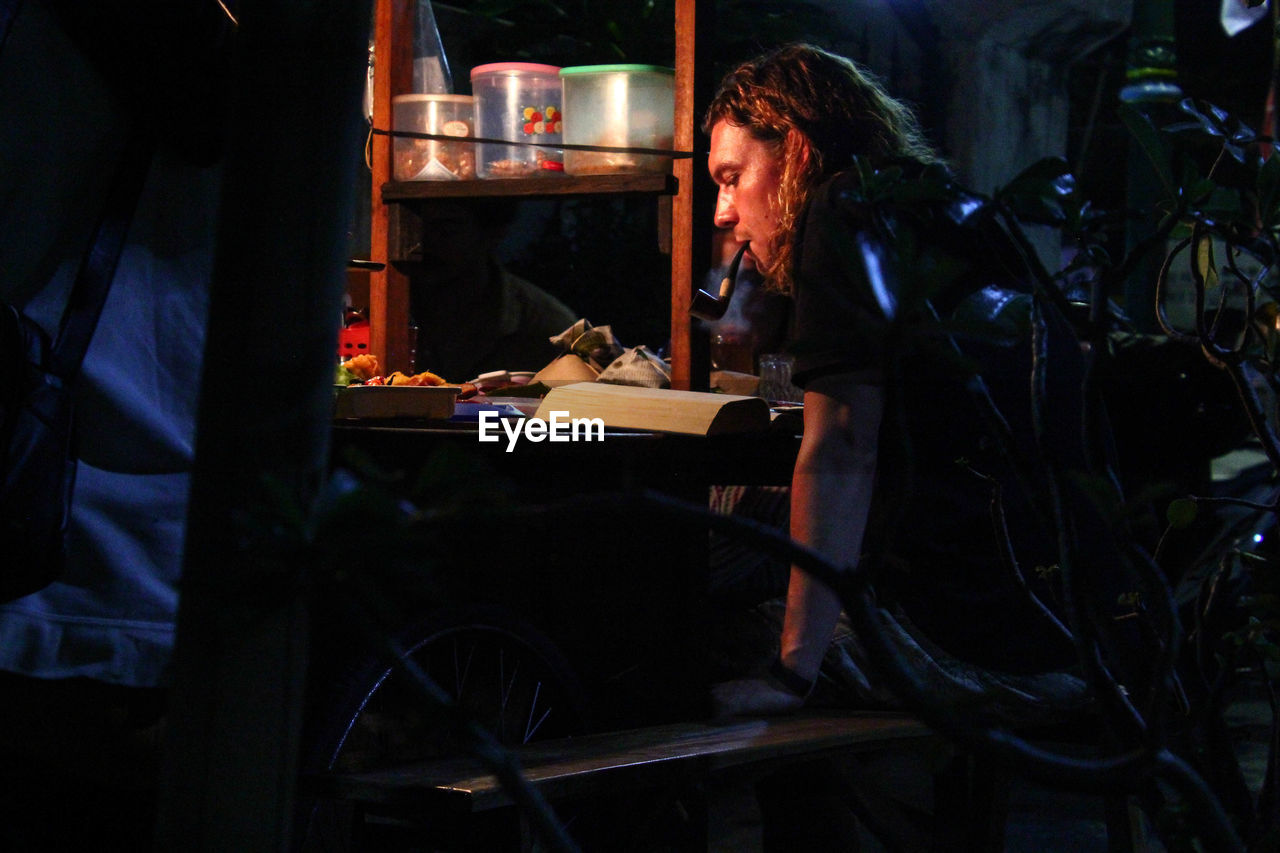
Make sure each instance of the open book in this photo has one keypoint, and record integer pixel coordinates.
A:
(660, 409)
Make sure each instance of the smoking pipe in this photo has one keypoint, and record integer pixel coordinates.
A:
(712, 308)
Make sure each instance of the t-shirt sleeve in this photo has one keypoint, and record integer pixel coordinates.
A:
(844, 297)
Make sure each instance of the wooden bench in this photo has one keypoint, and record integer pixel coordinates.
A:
(676, 757)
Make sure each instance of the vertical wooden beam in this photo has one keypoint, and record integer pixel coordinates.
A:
(692, 205)
(682, 211)
(389, 287)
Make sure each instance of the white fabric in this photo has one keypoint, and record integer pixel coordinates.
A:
(1237, 16)
(112, 617)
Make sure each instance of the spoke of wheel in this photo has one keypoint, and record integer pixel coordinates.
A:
(460, 672)
(504, 691)
(507, 684)
(531, 730)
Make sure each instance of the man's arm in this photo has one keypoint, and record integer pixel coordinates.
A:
(830, 502)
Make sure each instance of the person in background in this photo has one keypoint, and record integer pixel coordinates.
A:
(84, 662)
(475, 316)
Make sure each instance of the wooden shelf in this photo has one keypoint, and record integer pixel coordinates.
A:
(680, 194)
(549, 185)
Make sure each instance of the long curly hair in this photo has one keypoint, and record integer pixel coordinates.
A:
(819, 111)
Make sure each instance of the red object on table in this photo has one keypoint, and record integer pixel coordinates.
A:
(353, 340)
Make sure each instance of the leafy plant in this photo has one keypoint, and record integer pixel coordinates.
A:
(1172, 645)
(1218, 218)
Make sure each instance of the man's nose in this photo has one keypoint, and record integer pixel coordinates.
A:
(725, 216)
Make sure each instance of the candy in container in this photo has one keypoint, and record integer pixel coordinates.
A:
(416, 159)
(519, 102)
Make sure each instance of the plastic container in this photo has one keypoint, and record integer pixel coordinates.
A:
(431, 74)
(520, 102)
(433, 159)
(619, 106)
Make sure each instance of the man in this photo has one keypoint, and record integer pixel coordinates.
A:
(897, 463)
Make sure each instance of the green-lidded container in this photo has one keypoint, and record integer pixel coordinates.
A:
(621, 107)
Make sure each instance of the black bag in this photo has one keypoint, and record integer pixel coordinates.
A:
(37, 460)
(38, 469)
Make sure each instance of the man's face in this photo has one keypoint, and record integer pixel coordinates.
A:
(748, 173)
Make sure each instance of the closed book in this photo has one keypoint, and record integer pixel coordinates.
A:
(659, 409)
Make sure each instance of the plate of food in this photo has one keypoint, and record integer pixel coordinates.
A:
(364, 393)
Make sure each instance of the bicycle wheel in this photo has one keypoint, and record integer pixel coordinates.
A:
(499, 670)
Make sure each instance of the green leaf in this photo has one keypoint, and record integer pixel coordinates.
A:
(1181, 512)
(1205, 264)
(1217, 122)
(1044, 193)
(1046, 173)
(1151, 143)
(1201, 188)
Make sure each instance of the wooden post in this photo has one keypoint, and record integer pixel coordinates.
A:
(682, 206)
(691, 208)
(388, 287)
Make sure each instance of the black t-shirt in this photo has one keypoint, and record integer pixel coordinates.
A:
(922, 297)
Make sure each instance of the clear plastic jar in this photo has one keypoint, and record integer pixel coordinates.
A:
(433, 159)
(520, 102)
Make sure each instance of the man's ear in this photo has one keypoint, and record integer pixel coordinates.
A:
(798, 149)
